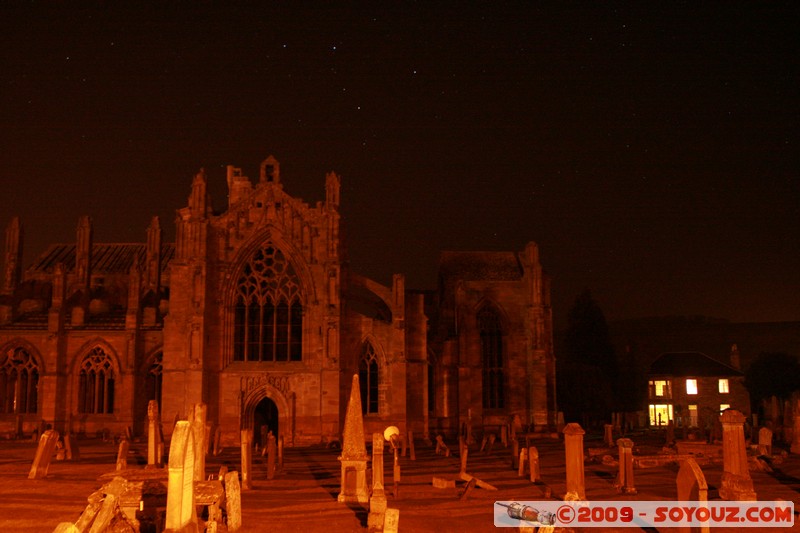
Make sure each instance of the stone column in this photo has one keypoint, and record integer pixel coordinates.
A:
(153, 435)
(197, 418)
(625, 479)
(377, 502)
(573, 446)
(736, 482)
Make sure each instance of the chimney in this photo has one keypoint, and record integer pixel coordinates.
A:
(735, 359)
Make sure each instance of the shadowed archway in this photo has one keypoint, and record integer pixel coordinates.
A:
(265, 419)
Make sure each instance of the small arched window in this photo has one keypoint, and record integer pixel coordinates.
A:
(491, 334)
(368, 379)
(19, 382)
(268, 312)
(96, 383)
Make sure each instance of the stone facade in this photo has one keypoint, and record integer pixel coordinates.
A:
(254, 312)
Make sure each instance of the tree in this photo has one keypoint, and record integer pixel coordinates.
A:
(587, 373)
(772, 374)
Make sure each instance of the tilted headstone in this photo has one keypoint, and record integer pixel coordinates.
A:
(247, 458)
(44, 454)
(354, 451)
(66, 527)
(692, 487)
(233, 501)
(217, 440)
(464, 455)
(180, 486)
(122, 455)
(573, 447)
(624, 482)
(736, 481)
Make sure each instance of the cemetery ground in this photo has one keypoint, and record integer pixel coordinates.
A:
(303, 495)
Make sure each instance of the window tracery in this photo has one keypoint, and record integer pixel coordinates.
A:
(491, 335)
(368, 379)
(19, 382)
(96, 383)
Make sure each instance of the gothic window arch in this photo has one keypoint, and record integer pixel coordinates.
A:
(19, 382)
(96, 383)
(268, 311)
(492, 357)
(368, 379)
(153, 379)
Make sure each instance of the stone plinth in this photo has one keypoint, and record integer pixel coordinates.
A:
(624, 482)
(573, 447)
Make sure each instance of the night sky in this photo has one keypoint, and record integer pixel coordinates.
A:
(650, 149)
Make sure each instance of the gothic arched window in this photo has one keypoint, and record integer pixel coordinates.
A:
(96, 383)
(368, 379)
(153, 379)
(491, 334)
(19, 382)
(268, 313)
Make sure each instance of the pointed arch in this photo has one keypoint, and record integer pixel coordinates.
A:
(372, 376)
(268, 294)
(19, 379)
(96, 371)
(152, 371)
(491, 330)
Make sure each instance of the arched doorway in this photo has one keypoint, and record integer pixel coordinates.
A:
(265, 419)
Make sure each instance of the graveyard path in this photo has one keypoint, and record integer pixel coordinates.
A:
(302, 497)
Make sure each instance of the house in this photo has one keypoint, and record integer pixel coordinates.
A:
(691, 388)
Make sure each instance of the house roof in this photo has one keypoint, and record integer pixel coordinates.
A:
(689, 364)
(112, 258)
(471, 266)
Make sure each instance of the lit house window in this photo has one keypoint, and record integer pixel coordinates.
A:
(691, 386)
(724, 406)
(661, 388)
(723, 386)
(693, 416)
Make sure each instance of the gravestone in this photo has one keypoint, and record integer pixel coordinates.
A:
(514, 454)
(233, 501)
(354, 451)
(441, 447)
(492, 438)
(71, 447)
(765, 441)
(464, 455)
(44, 454)
(271, 453)
(573, 447)
(523, 457)
(483, 443)
(122, 455)
(155, 444)
(197, 418)
(609, 435)
(217, 440)
(392, 521)
(736, 481)
(692, 487)
(280, 452)
(533, 462)
(624, 482)
(377, 502)
(247, 458)
(181, 511)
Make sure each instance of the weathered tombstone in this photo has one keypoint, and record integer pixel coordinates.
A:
(280, 452)
(411, 445)
(110, 504)
(66, 527)
(573, 446)
(441, 447)
(736, 481)
(514, 454)
(247, 458)
(217, 440)
(153, 435)
(492, 438)
(354, 451)
(377, 502)
(271, 453)
(469, 487)
(180, 487)
(533, 461)
(692, 487)
(71, 447)
(765, 441)
(624, 482)
(609, 436)
(233, 501)
(197, 418)
(392, 521)
(464, 455)
(44, 453)
(523, 457)
(483, 443)
(122, 455)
